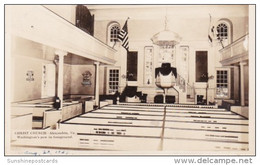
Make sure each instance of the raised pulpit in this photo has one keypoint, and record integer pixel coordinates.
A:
(165, 78)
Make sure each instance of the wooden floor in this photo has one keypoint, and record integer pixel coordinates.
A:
(141, 127)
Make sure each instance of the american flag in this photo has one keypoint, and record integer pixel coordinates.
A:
(123, 36)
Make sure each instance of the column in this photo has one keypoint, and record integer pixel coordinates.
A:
(236, 82)
(61, 55)
(242, 88)
(97, 84)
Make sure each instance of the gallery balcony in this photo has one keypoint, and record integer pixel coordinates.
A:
(235, 52)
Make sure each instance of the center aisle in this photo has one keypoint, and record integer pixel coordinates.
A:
(160, 128)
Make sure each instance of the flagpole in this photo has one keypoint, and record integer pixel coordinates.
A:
(209, 23)
(114, 44)
(209, 36)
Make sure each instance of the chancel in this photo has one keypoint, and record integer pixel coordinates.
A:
(130, 79)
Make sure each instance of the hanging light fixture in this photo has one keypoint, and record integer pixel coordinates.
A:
(166, 37)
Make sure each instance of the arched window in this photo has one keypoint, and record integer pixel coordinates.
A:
(224, 32)
(113, 31)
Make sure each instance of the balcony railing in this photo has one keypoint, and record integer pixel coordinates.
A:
(236, 49)
(38, 24)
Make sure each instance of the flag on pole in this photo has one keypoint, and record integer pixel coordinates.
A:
(210, 31)
(123, 36)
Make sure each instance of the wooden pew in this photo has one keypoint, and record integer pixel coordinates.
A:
(115, 127)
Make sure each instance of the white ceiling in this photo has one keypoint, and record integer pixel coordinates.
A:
(147, 12)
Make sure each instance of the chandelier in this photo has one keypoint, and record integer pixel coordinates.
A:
(166, 38)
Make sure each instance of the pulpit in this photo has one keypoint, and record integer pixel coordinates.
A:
(165, 78)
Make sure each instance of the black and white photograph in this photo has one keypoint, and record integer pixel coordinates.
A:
(129, 79)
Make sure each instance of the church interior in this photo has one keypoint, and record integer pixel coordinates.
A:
(134, 79)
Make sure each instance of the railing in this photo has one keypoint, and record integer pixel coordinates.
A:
(181, 83)
(236, 48)
(185, 87)
(26, 21)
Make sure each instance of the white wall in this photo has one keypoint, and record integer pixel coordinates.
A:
(77, 78)
(193, 29)
(67, 12)
(27, 56)
(31, 56)
(191, 23)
